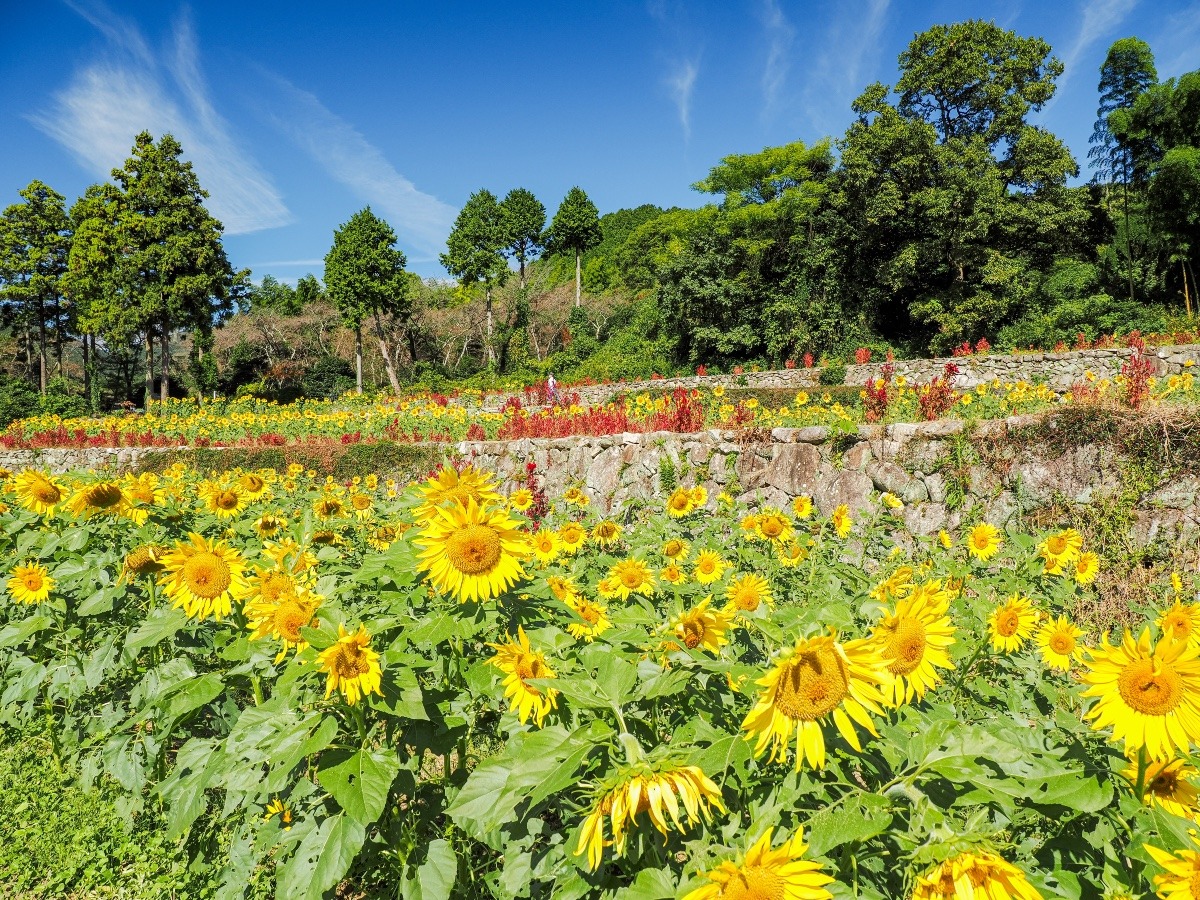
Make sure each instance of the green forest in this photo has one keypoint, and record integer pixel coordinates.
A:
(941, 216)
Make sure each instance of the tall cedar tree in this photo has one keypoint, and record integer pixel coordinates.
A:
(524, 224)
(173, 268)
(575, 229)
(364, 276)
(475, 252)
(35, 243)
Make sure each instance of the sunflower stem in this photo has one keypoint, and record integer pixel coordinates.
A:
(257, 686)
(1140, 787)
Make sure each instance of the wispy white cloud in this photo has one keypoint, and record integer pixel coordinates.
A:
(780, 36)
(98, 114)
(420, 219)
(1175, 46)
(848, 46)
(680, 84)
(1097, 19)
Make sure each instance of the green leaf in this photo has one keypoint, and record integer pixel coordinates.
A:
(161, 624)
(858, 818)
(16, 633)
(101, 601)
(360, 783)
(323, 858)
(435, 878)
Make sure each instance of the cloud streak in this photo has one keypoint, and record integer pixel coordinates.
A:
(421, 219)
(848, 46)
(780, 36)
(1097, 19)
(107, 103)
(680, 84)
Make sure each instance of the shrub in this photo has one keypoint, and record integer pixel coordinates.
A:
(330, 377)
(18, 399)
(833, 373)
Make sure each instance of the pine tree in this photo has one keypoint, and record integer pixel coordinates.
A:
(475, 252)
(575, 229)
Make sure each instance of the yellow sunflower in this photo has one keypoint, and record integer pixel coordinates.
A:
(1087, 567)
(145, 559)
(817, 679)
(203, 578)
(519, 662)
(699, 496)
(104, 497)
(329, 506)
(662, 794)
(572, 535)
(766, 874)
(282, 618)
(351, 666)
(606, 533)
(1181, 880)
(842, 523)
(449, 485)
(896, 586)
(594, 618)
(38, 492)
(1148, 694)
(631, 576)
(891, 501)
(945, 540)
(30, 583)
(608, 588)
(1181, 622)
(679, 504)
(562, 587)
(1012, 624)
(974, 875)
(702, 626)
(1059, 643)
(521, 499)
(673, 574)
(383, 537)
(709, 567)
(225, 501)
(749, 525)
(747, 592)
(913, 639)
(545, 545)
(268, 525)
(790, 554)
(676, 550)
(1060, 550)
(774, 525)
(575, 496)
(278, 808)
(472, 552)
(983, 541)
(1169, 783)
(802, 506)
(362, 505)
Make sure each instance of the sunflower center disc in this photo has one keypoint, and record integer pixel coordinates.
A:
(1062, 644)
(350, 662)
(227, 500)
(33, 581)
(747, 599)
(1007, 623)
(46, 493)
(206, 575)
(906, 647)
(772, 528)
(631, 578)
(474, 549)
(289, 619)
(693, 634)
(754, 883)
(361, 502)
(1164, 784)
(1194, 884)
(1149, 689)
(252, 483)
(102, 496)
(812, 685)
(1056, 545)
(590, 614)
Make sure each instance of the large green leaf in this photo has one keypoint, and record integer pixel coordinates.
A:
(161, 624)
(16, 633)
(434, 878)
(858, 818)
(323, 858)
(360, 783)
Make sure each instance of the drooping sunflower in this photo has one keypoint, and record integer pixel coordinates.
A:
(471, 551)
(103, 497)
(449, 485)
(362, 506)
(546, 544)
(1059, 643)
(802, 506)
(38, 492)
(594, 616)
(983, 541)
(282, 618)
(945, 540)
(1181, 622)
(351, 666)
(268, 525)
(606, 533)
(203, 578)
(225, 501)
(562, 587)
(774, 525)
(896, 586)
(1060, 550)
(662, 793)
(145, 490)
(1086, 568)
(679, 504)
(329, 506)
(703, 626)
(1169, 783)
(842, 522)
(790, 554)
(676, 550)
(766, 874)
(913, 639)
(631, 576)
(1149, 694)
(30, 583)
(817, 679)
(572, 535)
(519, 662)
(891, 501)
(974, 875)
(747, 592)
(145, 559)
(1181, 880)
(382, 537)
(1012, 624)
(709, 567)
(521, 499)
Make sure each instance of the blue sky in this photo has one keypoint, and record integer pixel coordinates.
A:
(296, 116)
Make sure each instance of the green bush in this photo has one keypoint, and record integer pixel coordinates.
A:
(833, 373)
(59, 400)
(18, 399)
(329, 378)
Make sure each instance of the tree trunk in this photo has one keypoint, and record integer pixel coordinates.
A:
(386, 353)
(412, 342)
(149, 368)
(491, 353)
(42, 345)
(87, 372)
(578, 278)
(1128, 236)
(58, 330)
(358, 359)
(532, 330)
(164, 389)
(522, 261)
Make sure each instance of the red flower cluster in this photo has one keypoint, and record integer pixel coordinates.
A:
(936, 398)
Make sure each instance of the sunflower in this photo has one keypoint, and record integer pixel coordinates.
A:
(774, 525)
(278, 808)
(145, 559)
(702, 626)
(521, 499)
(974, 875)
(1012, 624)
(608, 588)
(30, 583)
(352, 666)
(593, 615)
(842, 523)
(519, 662)
(545, 545)
(282, 618)
(1149, 694)
(983, 541)
(1060, 550)
(747, 592)
(1169, 783)
(945, 540)
(673, 574)
(632, 576)
(1181, 622)
(145, 490)
(606, 533)
(766, 874)
(272, 585)
(1087, 567)
(699, 496)
(790, 554)
(99, 498)
(225, 501)
(891, 501)
(572, 535)
(471, 551)
(802, 506)
(749, 525)
(896, 586)
(253, 485)
(362, 506)
(676, 550)
(662, 794)
(816, 679)
(679, 504)
(562, 587)
(709, 567)
(383, 537)
(575, 496)
(329, 506)
(449, 485)
(38, 492)
(203, 578)
(289, 555)
(1059, 643)
(912, 639)
(1181, 880)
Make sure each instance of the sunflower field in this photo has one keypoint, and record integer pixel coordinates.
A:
(433, 690)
